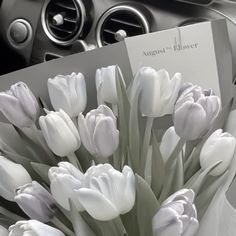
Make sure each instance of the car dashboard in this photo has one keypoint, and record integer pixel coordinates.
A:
(37, 31)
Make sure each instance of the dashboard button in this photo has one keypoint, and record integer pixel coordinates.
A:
(18, 32)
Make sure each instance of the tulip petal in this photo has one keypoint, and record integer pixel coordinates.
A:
(106, 137)
(107, 112)
(192, 228)
(62, 188)
(29, 103)
(84, 134)
(70, 124)
(59, 94)
(12, 176)
(190, 121)
(10, 106)
(80, 88)
(97, 205)
(34, 208)
(168, 143)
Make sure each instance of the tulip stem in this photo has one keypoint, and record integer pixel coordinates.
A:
(74, 160)
(62, 227)
(146, 143)
(10, 214)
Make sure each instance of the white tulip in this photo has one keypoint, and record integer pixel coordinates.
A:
(106, 192)
(195, 112)
(64, 179)
(177, 215)
(98, 132)
(168, 143)
(158, 91)
(12, 177)
(36, 202)
(106, 83)
(60, 133)
(3, 231)
(33, 228)
(218, 147)
(19, 105)
(68, 93)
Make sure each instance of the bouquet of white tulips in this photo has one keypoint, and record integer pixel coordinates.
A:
(115, 170)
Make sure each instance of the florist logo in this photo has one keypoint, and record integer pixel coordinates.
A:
(177, 46)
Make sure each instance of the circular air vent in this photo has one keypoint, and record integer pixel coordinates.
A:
(120, 22)
(63, 21)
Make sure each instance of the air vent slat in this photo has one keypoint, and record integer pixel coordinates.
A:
(126, 23)
(63, 20)
(64, 5)
(61, 29)
(70, 20)
(109, 31)
(120, 22)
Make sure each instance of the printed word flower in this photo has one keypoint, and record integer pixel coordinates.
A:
(68, 93)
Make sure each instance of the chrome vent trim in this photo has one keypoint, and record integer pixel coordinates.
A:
(72, 27)
(138, 21)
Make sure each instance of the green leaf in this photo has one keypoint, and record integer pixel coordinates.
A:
(123, 108)
(167, 186)
(134, 133)
(42, 171)
(179, 147)
(178, 180)
(206, 195)
(158, 168)
(199, 181)
(147, 206)
(80, 226)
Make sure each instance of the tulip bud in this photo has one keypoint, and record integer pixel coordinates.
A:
(218, 147)
(3, 231)
(33, 228)
(68, 93)
(177, 215)
(60, 133)
(106, 192)
(195, 112)
(19, 105)
(168, 143)
(98, 131)
(36, 202)
(12, 177)
(158, 91)
(64, 179)
(106, 83)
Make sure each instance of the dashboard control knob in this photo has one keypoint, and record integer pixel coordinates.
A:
(120, 35)
(18, 32)
(58, 19)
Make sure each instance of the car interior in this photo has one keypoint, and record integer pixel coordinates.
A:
(36, 31)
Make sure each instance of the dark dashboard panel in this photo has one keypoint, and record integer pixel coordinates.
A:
(64, 18)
